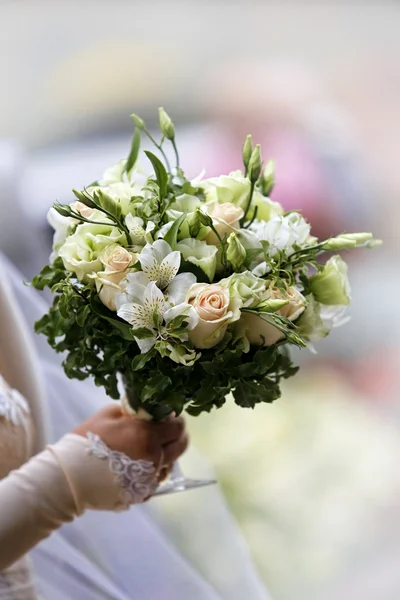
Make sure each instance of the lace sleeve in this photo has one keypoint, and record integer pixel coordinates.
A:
(16, 429)
(136, 478)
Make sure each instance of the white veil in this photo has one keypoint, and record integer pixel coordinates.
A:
(128, 556)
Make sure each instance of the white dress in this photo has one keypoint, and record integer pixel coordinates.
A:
(16, 434)
(104, 555)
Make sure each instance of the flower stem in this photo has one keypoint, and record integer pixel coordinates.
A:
(176, 153)
(252, 186)
(159, 147)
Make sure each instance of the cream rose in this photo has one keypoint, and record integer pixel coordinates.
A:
(261, 333)
(211, 302)
(226, 218)
(116, 261)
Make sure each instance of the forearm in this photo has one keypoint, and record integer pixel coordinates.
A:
(35, 500)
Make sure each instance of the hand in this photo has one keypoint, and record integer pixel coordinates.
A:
(139, 439)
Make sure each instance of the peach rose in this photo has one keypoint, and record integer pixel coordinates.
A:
(116, 261)
(261, 333)
(211, 302)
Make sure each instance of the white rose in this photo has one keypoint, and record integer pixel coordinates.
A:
(211, 303)
(81, 250)
(116, 261)
(226, 219)
(259, 332)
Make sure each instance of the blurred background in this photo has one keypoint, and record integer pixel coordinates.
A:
(313, 480)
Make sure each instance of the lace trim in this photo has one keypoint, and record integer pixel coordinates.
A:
(17, 582)
(137, 478)
(13, 406)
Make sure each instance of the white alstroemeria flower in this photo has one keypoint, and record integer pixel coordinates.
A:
(159, 263)
(146, 307)
(162, 232)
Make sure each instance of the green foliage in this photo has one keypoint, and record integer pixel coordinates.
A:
(161, 173)
(100, 345)
(134, 153)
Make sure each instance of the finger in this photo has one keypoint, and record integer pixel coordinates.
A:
(174, 450)
(164, 473)
(170, 430)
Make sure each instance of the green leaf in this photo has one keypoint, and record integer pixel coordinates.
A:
(82, 315)
(140, 361)
(172, 234)
(142, 333)
(50, 275)
(161, 173)
(247, 394)
(134, 153)
(155, 386)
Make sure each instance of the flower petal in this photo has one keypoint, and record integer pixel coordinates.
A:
(169, 268)
(149, 263)
(161, 249)
(200, 254)
(145, 344)
(177, 289)
(183, 309)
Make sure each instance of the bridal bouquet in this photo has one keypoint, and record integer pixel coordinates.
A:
(187, 290)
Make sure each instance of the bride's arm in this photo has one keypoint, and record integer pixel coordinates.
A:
(78, 473)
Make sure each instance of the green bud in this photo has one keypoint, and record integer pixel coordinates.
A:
(359, 238)
(374, 243)
(166, 124)
(235, 253)
(138, 121)
(255, 164)
(339, 243)
(247, 150)
(84, 198)
(271, 305)
(204, 218)
(62, 210)
(108, 203)
(267, 179)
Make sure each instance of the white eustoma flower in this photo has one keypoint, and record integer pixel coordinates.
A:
(201, 254)
(283, 233)
(318, 320)
(62, 229)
